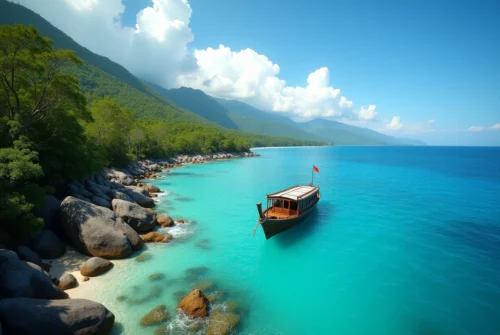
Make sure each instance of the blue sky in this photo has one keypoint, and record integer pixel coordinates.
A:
(424, 69)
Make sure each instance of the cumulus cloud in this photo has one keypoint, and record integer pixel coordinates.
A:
(395, 124)
(476, 128)
(156, 49)
(496, 126)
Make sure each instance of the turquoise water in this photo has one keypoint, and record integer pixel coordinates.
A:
(403, 241)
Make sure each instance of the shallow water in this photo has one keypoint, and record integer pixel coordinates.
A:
(403, 241)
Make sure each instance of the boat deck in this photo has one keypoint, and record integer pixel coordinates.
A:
(278, 213)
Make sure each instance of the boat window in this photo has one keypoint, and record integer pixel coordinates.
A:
(277, 203)
(293, 206)
(286, 204)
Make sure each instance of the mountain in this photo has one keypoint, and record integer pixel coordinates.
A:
(344, 134)
(199, 103)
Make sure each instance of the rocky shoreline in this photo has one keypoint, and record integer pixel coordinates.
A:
(107, 216)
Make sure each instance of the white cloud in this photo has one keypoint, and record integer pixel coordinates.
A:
(496, 127)
(344, 103)
(368, 113)
(475, 128)
(156, 50)
(395, 124)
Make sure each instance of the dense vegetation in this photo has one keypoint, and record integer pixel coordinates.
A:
(48, 132)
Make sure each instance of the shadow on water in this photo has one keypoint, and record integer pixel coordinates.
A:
(304, 229)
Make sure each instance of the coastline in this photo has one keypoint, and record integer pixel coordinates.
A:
(72, 260)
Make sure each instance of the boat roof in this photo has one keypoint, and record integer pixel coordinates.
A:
(293, 193)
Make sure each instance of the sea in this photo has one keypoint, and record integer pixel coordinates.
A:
(404, 241)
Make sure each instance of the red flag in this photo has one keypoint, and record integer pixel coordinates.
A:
(315, 168)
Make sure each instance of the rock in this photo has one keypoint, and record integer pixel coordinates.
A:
(59, 317)
(48, 245)
(67, 281)
(140, 198)
(232, 306)
(155, 292)
(195, 304)
(121, 298)
(156, 237)
(163, 330)
(99, 190)
(165, 221)
(120, 195)
(46, 267)
(121, 177)
(97, 200)
(143, 257)
(86, 278)
(216, 296)
(6, 255)
(180, 221)
(179, 295)
(81, 197)
(205, 285)
(95, 266)
(19, 279)
(50, 214)
(134, 215)
(139, 190)
(221, 323)
(156, 316)
(153, 189)
(96, 231)
(28, 255)
(156, 276)
(192, 274)
(153, 195)
(73, 189)
(152, 211)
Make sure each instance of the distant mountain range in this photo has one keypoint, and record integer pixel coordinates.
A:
(99, 77)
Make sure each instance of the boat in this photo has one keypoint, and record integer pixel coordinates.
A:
(287, 208)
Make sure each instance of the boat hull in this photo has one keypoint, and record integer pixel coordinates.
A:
(272, 227)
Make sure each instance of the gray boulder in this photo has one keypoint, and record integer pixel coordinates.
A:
(140, 198)
(50, 214)
(48, 245)
(95, 266)
(96, 231)
(72, 189)
(120, 176)
(97, 189)
(27, 280)
(55, 317)
(120, 195)
(6, 255)
(134, 215)
(28, 255)
(96, 200)
(141, 190)
(67, 281)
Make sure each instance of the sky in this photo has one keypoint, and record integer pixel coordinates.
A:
(427, 70)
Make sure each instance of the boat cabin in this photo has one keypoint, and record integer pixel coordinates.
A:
(292, 202)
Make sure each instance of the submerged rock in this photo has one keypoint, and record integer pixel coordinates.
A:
(216, 296)
(134, 215)
(70, 316)
(179, 221)
(179, 295)
(121, 298)
(195, 304)
(96, 231)
(156, 316)
(192, 274)
(161, 330)
(165, 221)
(204, 244)
(143, 257)
(95, 266)
(156, 276)
(156, 237)
(221, 323)
(205, 285)
(48, 245)
(67, 281)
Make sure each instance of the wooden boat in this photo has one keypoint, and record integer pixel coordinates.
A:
(287, 208)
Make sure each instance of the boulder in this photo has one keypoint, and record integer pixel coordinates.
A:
(134, 215)
(99, 190)
(221, 323)
(97, 200)
(95, 266)
(156, 316)
(120, 195)
(81, 197)
(27, 280)
(153, 188)
(120, 176)
(139, 198)
(156, 237)
(56, 317)
(48, 245)
(67, 281)
(50, 214)
(195, 304)
(137, 189)
(165, 221)
(6, 255)
(96, 231)
(28, 255)
(79, 190)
